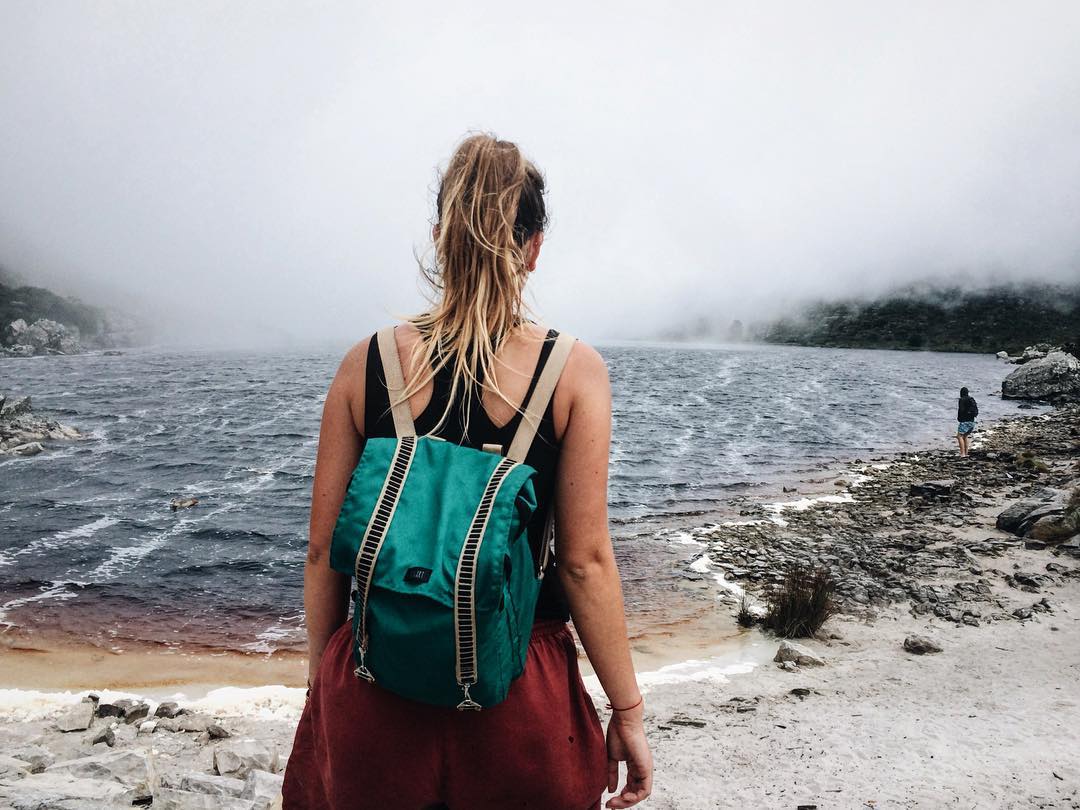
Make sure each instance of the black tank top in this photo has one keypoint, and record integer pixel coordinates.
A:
(543, 456)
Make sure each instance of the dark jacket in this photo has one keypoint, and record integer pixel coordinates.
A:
(967, 409)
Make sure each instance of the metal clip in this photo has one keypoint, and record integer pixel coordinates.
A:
(362, 671)
(468, 704)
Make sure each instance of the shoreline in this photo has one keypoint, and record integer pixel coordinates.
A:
(705, 631)
(988, 721)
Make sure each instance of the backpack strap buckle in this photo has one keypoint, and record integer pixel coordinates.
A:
(468, 704)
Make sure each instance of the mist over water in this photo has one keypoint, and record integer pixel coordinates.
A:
(90, 549)
(260, 175)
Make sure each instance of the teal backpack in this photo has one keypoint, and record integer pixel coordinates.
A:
(435, 535)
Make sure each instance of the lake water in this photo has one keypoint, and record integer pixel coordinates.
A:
(89, 546)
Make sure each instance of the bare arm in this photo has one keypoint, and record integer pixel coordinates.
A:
(586, 566)
(326, 592)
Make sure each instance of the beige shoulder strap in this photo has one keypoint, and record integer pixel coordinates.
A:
(395, 383)
(541, 396)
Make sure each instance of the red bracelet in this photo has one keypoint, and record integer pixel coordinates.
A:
(628, 708)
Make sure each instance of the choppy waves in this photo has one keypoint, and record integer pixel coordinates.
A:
(88, 541)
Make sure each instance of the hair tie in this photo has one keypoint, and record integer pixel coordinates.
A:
(628, 708)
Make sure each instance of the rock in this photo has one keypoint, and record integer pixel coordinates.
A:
(14, 331)
(240, 757)
(186, 722)
(12, 768)
(43, 336)
(132, 710)
(212, 785)
(262, 787)
(216, 732)
(788, 666)
(803, 656)
(932, 489)
(168, 708)
(106, 735)
(59, 791)
(921, 645)
(76, 718)
(129, 768)
(1014, 516)
(1056, 374)
(1002, 355)
(1051, 528)
(1034, 545)
(28, 449)
(38, 757)
(171, 799)
(800, 692)
(17, 407)
(147, 727)
(1022, 613)
(109, 710)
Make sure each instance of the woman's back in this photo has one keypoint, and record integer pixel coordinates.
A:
(480, 421)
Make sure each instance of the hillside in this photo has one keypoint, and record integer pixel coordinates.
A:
(32, 303)
(87, 326)
(1007, 317)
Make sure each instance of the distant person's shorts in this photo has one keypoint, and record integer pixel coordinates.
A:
(965, 428)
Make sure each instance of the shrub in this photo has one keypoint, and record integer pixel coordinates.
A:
(801, 604)
(745, 617)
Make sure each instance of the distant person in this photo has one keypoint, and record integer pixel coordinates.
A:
(467, 372)
(966, 411)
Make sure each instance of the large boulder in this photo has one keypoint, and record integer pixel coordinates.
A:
(131, 769)
(1053, 518)
(1056, 375)
(798, 654)
(1014, 516)
(14, 331)
(44, 336)
(62, 792)
(240, 757)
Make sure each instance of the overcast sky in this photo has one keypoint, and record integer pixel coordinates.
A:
(265, 169)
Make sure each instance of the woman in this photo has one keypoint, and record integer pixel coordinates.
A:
(966, 411)
(469, 363)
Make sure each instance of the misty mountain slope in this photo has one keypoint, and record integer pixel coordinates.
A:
(945, 319)
(31, 303)
(98, 326)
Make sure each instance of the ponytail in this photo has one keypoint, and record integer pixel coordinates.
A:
(489, 205)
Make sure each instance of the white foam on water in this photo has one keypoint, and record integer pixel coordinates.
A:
(802, 504)
(704, 565)
(57, 538)
(54, 590)
(718, 669)
(274, 702)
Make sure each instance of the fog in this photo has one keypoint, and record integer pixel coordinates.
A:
(262, 172)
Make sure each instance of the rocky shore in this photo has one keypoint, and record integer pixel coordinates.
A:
(948, 678)
(93, 753)
(22, 431)
(924, 530)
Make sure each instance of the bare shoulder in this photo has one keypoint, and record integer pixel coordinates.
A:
(347, 391)
(585, 364)
(583, 386)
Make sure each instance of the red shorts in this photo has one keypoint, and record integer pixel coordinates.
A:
(358, 746)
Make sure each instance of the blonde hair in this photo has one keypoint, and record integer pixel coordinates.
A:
(490, 204)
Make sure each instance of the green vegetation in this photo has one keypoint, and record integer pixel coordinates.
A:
(1007, 317)
(32, 303)
(802, 603)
